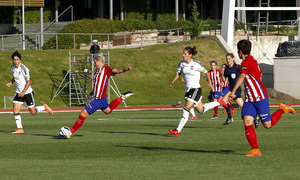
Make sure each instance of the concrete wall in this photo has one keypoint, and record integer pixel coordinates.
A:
(287, 75)
(263, 50)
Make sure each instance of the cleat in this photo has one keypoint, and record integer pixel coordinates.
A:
(126, 94)
(224, 112)
(215, 117)
(222, 103)
(174, 132)
(194, 117)
(254, 152)
(18, 131)
(286, 108)
(48, 109)
(228, 121)
(233, 111)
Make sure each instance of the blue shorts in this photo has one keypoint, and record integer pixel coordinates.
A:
(225, 90)
(261, 108)
(216, 95)
(97, 104)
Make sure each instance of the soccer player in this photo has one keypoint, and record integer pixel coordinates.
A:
(216, 80)
(191, 70)
(232, 72)
(256, 97)
(101, 77)
(226, 89)
(24, 92)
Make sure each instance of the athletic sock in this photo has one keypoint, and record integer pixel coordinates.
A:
(276, 116)
(192, 111)
(77, 124)
(208, 106)
(184, 118)
(18, 120)
(115, 103)
(216, 110)
(231, 106)
(228, 111)
(40, 109)
(251, 136)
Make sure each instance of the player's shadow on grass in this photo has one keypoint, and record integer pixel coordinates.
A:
(53, 136)
(139, 133)
(179, 149)
(5, 131)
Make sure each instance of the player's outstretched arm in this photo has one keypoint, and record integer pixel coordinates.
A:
(175, 78)
(239, 82)
(121, 70)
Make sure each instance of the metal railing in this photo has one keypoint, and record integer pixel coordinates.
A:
(72, 15)
(172, 35)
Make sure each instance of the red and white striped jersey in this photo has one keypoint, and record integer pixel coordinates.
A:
(216, 78)
(101, 77)
(226, 83)
(254, 88)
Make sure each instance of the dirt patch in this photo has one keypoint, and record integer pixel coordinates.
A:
(279, 96)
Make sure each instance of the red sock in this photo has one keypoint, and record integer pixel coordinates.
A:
(216, 110)
(78, 124)
(251, 136)
(231, 106)
(115, 103)
(276, 116)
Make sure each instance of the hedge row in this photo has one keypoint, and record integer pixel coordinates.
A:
(107, 26)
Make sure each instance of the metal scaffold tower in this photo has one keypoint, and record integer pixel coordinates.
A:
(79, 79)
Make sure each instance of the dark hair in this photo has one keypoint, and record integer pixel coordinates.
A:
(245, 46)
(191, 50)
(224, 65)
(16, 53)
(213, 61)
(230, 54)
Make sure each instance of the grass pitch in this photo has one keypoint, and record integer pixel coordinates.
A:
(137, 145)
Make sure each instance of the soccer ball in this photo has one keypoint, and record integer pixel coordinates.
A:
(64, 131)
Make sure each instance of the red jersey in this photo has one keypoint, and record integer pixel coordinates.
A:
(254, 88)
(216, 78)
(101, 78)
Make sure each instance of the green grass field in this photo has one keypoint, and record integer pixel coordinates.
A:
(137, 145)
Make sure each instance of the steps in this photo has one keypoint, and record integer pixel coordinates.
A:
(14, 41)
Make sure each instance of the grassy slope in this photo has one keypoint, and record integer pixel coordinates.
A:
(153, 69)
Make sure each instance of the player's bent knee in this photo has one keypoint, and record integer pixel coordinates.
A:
(267, 125)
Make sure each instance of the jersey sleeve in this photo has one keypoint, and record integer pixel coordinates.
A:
(200, 68)
(109, 71)
(25, 71)
(244, 68)
(179, 68)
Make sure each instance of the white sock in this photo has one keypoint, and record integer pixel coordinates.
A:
(18, 120)
(40, 109)
(192, 111)
(208, 106)
(184, 119)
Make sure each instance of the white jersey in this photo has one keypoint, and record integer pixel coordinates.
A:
(191, 73)
(21, 76)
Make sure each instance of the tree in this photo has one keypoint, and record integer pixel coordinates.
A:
(196, 25)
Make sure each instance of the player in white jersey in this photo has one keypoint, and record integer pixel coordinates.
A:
(24, 92)
(191, 70)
